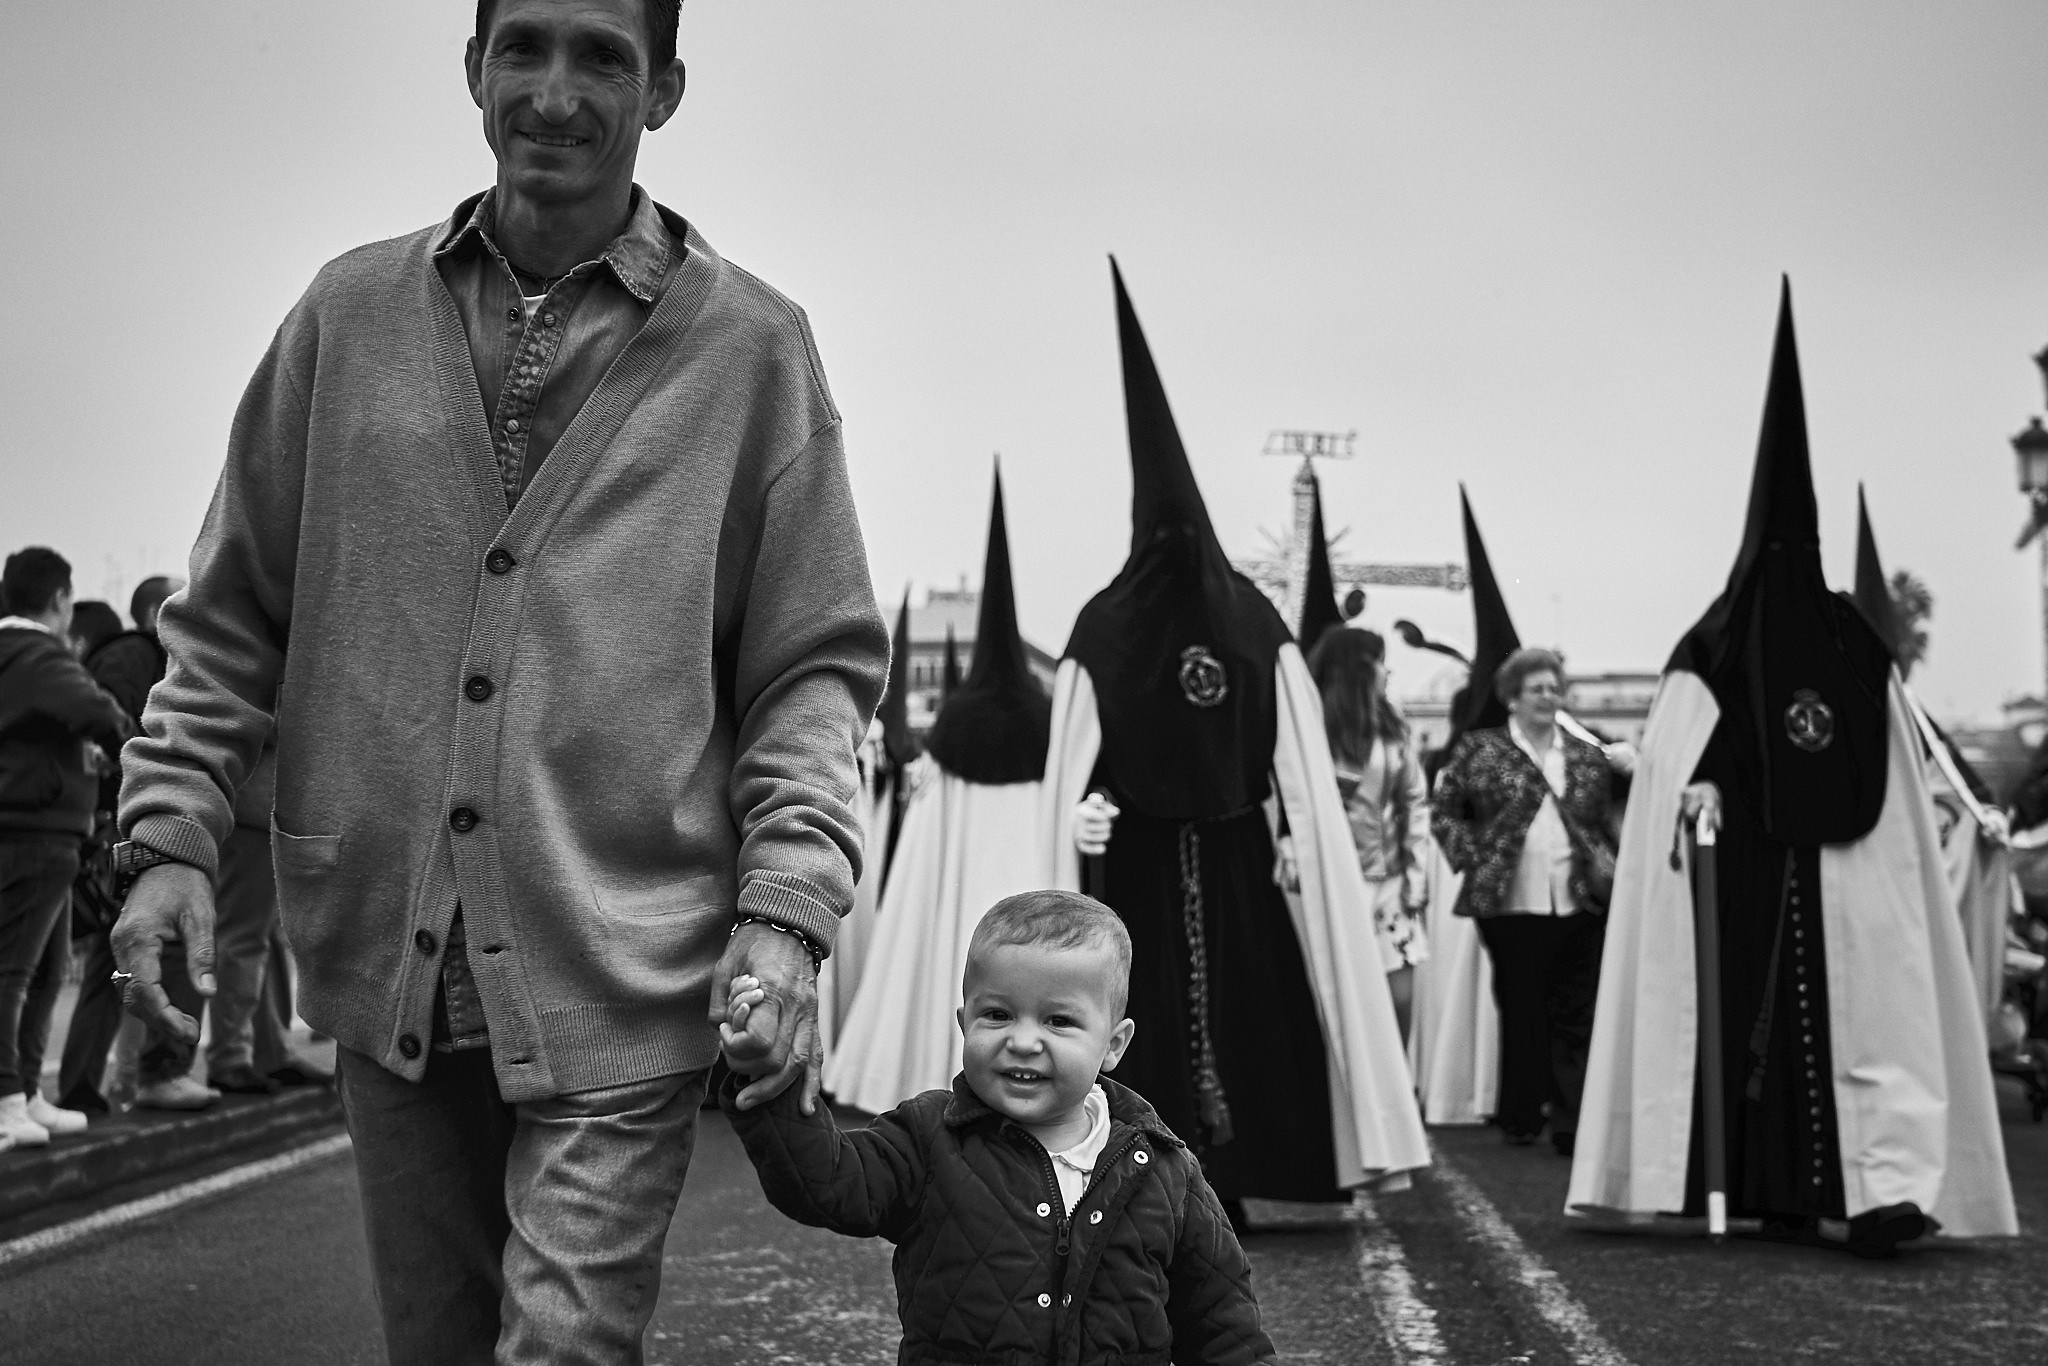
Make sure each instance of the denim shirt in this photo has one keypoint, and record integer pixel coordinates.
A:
(535, 367)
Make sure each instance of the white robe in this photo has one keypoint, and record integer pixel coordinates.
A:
(839, 975)
(1375, 1124)
(965, 846)
(1913, 1094)
(1979, 867)
(1454, 1041)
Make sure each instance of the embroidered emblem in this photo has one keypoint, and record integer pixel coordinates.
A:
(1202, 680)
(1809, 722)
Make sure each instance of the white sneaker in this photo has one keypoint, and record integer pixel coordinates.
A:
(17, 1127)
(56, 1120)
(179, 1093)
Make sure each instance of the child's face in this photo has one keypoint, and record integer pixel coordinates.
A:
(1039, 1025)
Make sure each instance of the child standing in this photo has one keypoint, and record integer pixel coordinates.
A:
(1040, 1211)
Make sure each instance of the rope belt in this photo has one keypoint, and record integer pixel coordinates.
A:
(1210, 1106)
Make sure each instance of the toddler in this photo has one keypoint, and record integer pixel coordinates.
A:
(1040, 1211)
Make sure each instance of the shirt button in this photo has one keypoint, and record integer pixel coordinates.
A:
(462, 820)
(499, 561)
(409, 1045)
(1044, 1301)
(424, 941)
(512, 426)
(478, 689)
(1096, 1217)
(1043, 1209)
(1141, 1157)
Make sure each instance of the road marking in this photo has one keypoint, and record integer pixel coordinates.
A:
(1543, 1289)
(1405, 1317)
(60, 1235)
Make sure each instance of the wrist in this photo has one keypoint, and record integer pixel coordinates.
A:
(809, 945)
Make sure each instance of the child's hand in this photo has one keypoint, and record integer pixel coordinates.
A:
(744, 1047)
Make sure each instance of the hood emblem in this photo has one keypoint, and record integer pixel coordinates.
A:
(1809, 722)
(1202, 680)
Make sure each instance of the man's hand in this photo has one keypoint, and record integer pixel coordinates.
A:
(1094, 822)
(1621, 757)
(169, 903)
(769, 1030)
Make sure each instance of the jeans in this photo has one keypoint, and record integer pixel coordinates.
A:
(245, 922)
(515, 1233)
(1546, 974)
(36, 872)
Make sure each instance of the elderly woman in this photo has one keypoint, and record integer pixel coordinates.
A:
(1522, 812)
(1385, 797)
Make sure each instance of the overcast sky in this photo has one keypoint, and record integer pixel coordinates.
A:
(1530, 246)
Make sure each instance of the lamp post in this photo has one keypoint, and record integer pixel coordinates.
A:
(2030, 449)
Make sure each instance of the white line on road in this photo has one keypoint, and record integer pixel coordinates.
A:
(1546, 1292)
(114, 1217)
(1405, 1317)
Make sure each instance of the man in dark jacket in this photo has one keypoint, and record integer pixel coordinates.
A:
(1040, 1211)
(51, 716)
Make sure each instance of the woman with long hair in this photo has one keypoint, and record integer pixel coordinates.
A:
(1385, 797)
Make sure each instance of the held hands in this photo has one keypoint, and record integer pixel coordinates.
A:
(1094, 822)
(1621, 757)
(169, 903)
(768, 1016)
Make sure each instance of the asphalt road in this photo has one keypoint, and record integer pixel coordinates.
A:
(273, 1272)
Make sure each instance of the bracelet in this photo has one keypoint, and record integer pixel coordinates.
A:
(810, 945)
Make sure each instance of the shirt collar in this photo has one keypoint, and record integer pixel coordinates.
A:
(638, 256)
(1083, 1154)
(24, 624)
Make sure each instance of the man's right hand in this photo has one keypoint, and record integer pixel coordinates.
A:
(172, 902)
(1094, 823)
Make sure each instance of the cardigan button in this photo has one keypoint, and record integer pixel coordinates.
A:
(409, 1046)
(1044, 1209)
(478, 689)
(462, 820)
(499, 561)
(423, 940)
(1096, 1217)
(1044, 1301)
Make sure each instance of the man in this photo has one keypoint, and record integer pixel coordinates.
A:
(535, 540)
(127, 664)
(51, 713)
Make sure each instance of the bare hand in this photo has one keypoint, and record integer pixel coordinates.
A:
(768, 1029)
(1094, 823)
(1701, 798)
(1621, 757)
(172, 902)
(1286, 868)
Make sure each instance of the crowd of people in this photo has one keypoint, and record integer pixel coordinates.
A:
(525, 663)
(73, 684)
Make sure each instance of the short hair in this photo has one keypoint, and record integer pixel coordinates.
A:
(1060, 920)
(661, 17)
(93, 623)
(32, 579)
(149, 596)
(1516, 668)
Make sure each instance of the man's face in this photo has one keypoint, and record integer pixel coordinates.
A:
(566, 91)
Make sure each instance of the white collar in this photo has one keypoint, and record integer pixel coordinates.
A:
(1083, 1154)
(1521, 737)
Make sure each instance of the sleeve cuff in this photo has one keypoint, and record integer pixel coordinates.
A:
(178, 838)
(791, 902)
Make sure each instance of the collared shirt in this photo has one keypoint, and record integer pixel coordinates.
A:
(1542, 881)
(537, 360)
(536, 364)
(1073, 1166)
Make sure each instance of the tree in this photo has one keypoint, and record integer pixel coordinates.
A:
(1913, 605)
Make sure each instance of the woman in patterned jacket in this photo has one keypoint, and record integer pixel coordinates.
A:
(1522, 811)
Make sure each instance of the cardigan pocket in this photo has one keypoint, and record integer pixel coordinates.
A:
(303, 854)
(661, 900)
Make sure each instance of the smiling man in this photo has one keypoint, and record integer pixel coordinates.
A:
(534, 536)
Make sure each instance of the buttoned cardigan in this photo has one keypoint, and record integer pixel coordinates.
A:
(601, 724)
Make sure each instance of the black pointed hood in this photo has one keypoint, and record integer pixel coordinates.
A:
(1477, 706)
(1873, 593)
(1799, 675)
(1319, 609)
(894, 714)
(995, 724)
(1181, 648)
(949, 678)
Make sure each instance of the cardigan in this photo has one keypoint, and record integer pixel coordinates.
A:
(601, 722)
(990, 1267)
(1487, 796)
